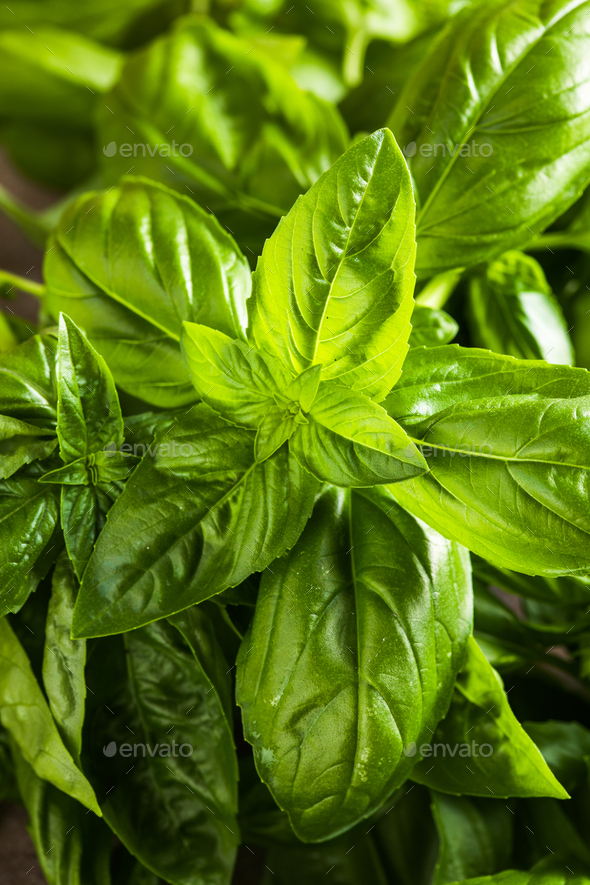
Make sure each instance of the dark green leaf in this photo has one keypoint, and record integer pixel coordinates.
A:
(549, 873)
(162, 756)
(24, 712)
(64, 659)
(73, 846)
(349, 440)
(476, 837)
(129, 266)
(337, 673)
(431, 327)
(564, 746)
(494, 79)
(21, 443)
(480, 717)
(199, 517)
(561, 589)
(513, 311)
(335, 281)
(508, 446)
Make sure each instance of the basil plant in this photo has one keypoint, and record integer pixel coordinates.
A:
(269, 542)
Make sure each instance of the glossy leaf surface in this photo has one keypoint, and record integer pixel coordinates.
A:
(199, 517)
(508, 446)
(431, 327)
(335, 281)
(338, 673)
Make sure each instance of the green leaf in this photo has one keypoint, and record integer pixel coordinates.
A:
(216, 118)
(73, 847)
(431, 327)
(551, 872)
(562, 589)
(88, 411)
(20, 444)
(195, 519)
(336, 674)
(28, 389)
(513, 311)
(564, 746)
(508, 446)
(476, 837)
(129, 266)
(292, 864)
(274, 430)
(29, 521)
(24, 712)
(335, 281)
(480, 716)
(64, 659)
(349, 440)
(488, 85)
(166, 748)
(236, 380)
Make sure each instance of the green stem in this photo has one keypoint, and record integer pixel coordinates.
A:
(8, 340)
(32, 223)
(14, 280)
(439, 289)
(561, 240)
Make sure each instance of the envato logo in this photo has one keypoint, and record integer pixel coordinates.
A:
(162, 450)
(427, 750)
(465, 451)
(466, 149)
(163, 150)
(127, 750)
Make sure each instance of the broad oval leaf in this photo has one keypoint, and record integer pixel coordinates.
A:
(480, 717)
(24, 712)
(197, 516)
(352, 655)
(216, 118)
(508, 446)
(165, 745)
(512, 310)
(349, 440)
(498, 76)
(335, 281)
(129, 266)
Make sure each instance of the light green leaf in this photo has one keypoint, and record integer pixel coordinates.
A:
(24, 712)
(129, 266)
(508, 446)
(234, 379)
(349, 440)
(335, 281)
(337, 673)
(513, 311)
(431, 327)
(274, 430)
(495, 78)
(64, 659)
(549, 872)
(195, 519)
(480, 719)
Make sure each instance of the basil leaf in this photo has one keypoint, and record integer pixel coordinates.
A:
(243, 134)
(24, 712)
(431, 327)
(20, 444)
(543, 874)
(199, 517)
(474, 109)
(564, 746)
(29, 522)
(166, 748)
(513, 311)
(406, 837)
(562, 589)
(274, 430)
(237, 381)
(548, 824)
(73, 847)
(292, 864)
(336, 675)
(172, 262)
(476, 837)
(349, 440)
(480, 716)
(88, 411)
(64, 659)
(335, 281)
(505, 478)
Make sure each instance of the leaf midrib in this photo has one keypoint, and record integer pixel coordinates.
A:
(503, 458)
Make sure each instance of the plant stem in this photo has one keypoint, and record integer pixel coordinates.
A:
(561, 240)
(8, 339)
(21, 283)
(439, 289)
